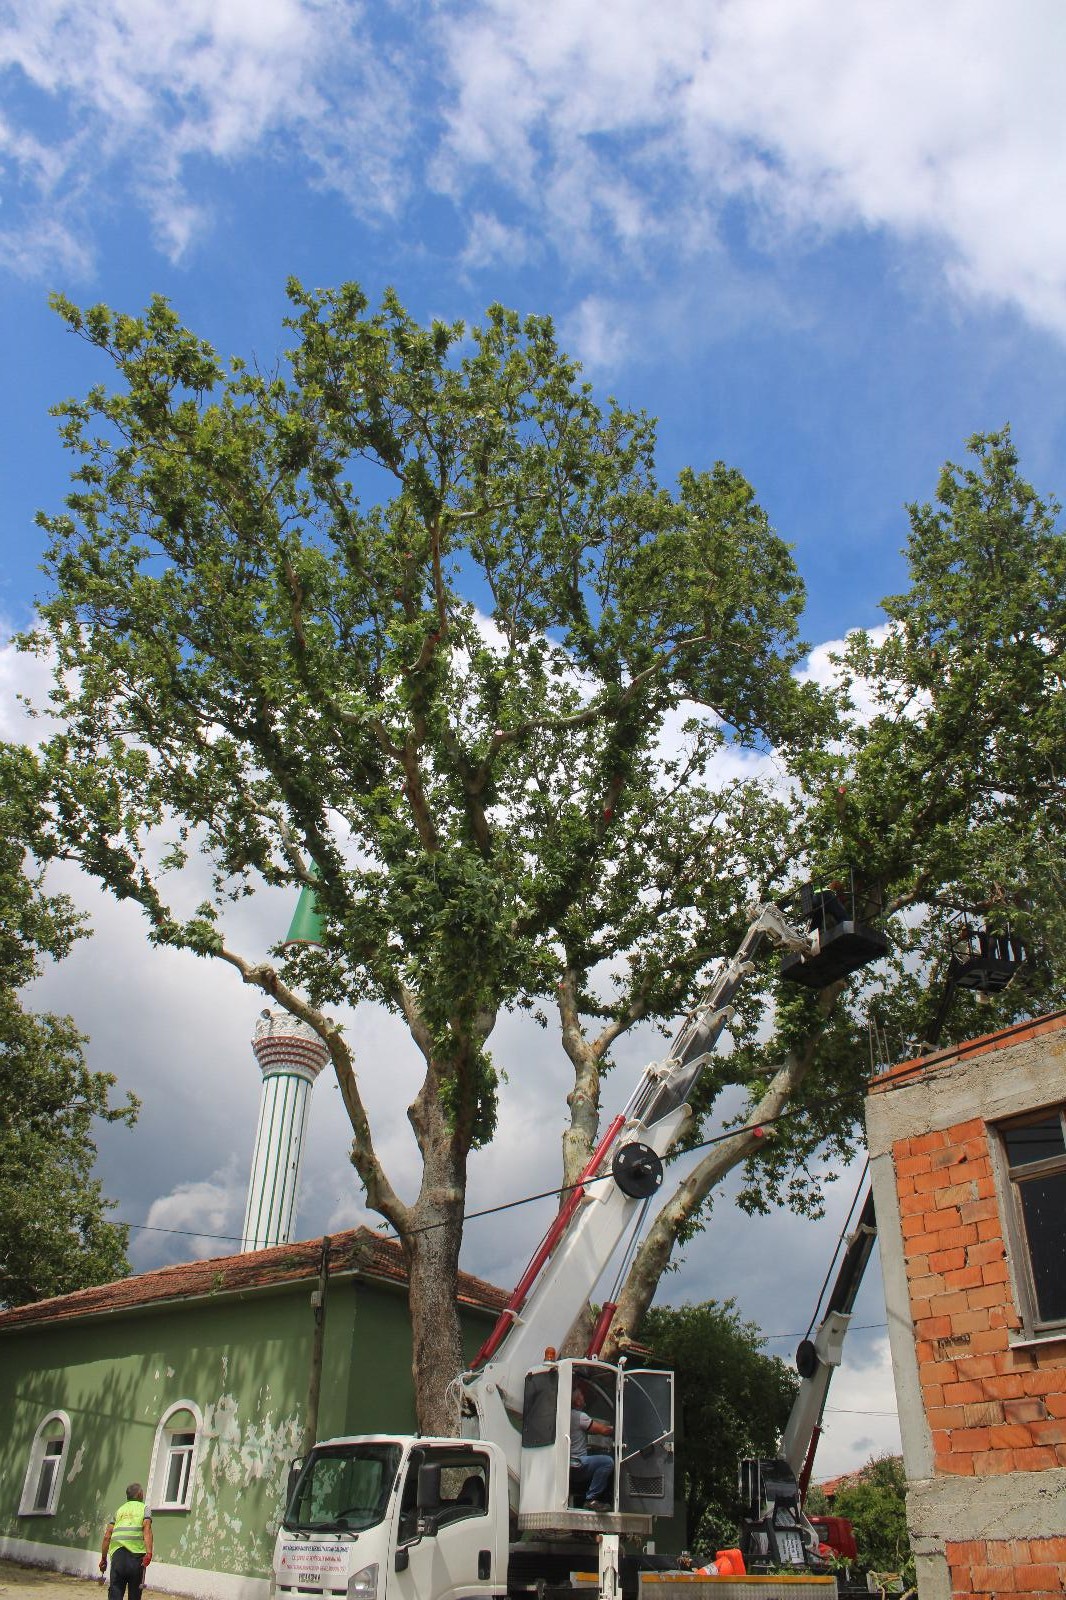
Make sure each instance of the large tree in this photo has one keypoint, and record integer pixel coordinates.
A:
(54, 1232)
(411, 620)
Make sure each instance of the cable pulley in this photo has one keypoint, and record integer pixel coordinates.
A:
(637, 1170)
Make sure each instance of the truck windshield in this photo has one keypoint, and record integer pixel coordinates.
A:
(343, 1488)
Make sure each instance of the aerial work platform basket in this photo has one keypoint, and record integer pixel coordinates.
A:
(840, 941)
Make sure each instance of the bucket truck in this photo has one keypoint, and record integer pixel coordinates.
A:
(393, 1517)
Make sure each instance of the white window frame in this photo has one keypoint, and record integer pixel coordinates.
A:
(47, 1433)
(162, 1454)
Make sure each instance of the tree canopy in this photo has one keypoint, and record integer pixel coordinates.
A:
(410, 619)
(874, 1502)
(54, 1233)
(733, 1402)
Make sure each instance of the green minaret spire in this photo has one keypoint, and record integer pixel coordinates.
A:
(306, 925)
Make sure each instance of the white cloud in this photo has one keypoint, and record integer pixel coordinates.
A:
(199, 1219)
(146, 87)
(621, 136)
(939, 124)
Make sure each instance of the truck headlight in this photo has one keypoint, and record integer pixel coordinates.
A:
(363, 1585)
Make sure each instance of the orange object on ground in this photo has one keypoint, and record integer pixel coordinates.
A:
(730, 1563)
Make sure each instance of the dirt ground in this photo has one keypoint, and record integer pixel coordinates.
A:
(35, 1583)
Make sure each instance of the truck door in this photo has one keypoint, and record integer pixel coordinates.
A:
(450, 1546)
(646, 1443)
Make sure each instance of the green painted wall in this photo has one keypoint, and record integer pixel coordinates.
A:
(245, 1363)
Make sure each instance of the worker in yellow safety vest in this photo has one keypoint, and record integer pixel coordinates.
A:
(128, 1536)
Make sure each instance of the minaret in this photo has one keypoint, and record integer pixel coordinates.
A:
(290, 1055)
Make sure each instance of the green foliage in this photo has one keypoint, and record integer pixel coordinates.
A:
(54, 1233)
(734, 1400)
(414, 612)
(874, 1502)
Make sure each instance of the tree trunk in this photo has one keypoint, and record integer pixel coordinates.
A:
(431, 1252)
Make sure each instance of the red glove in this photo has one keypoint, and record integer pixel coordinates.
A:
(146, 1560)
(103, 1563)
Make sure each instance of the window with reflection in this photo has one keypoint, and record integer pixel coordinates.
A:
(1034, 1149)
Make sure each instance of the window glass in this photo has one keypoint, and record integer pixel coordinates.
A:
(539, 1408)
(1044, 1210)
(1035, 1141)
(179, 1468)
(44, 1472)
(344, 1487)
(53, 1452)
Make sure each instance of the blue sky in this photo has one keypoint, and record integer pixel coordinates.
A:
(824, 244)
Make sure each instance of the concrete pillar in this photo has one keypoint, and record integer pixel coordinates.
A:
(290, 1057)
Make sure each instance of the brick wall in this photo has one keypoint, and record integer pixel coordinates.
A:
(990, 1408)
(988, 1412)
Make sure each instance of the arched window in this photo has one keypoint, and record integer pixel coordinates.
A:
(44, 1475)
(170, 1482)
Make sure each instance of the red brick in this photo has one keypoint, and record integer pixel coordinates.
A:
(995, 1272)
(957, 1194)
(986, 1186)
(993, 1463)
(931, 1327)
(925, 1143)
(1049, 1432)
(1004, 1385)
(981, 1414)
(1011, 1436)
(950, 1156)
(1033, 1575)
(1028, 1409)
(973, 1439)
(964, 1234)
(968, 1278)
(937, 1372)
(971, 1320)
(963, 1393)
(993, 1580)
(926, 1182)
(987, 1294)
(994, 1339)
(949, 1262)
(954, 1301)
(978, 1210)
(914, 1225)
(965, 1552)
(955, 1466)
(989, 1229)
(944, 1418)
(923, 1287)
(1004, 1316)
(1036, 1459)
(1045, 1380)
(908, 1165)
(978, 1254)
(1056, 1404)
(1048, 1549)
(972, 1128)
(913, 1204)
(980, 1366)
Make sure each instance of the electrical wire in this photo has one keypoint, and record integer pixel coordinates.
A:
(505, 1205)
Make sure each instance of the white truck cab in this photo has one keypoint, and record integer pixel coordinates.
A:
(387, 1517)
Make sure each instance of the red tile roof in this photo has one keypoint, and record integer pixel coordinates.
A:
(359, 1251)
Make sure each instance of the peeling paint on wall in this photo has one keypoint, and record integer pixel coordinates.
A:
(236, 1452)
(77, 1463)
